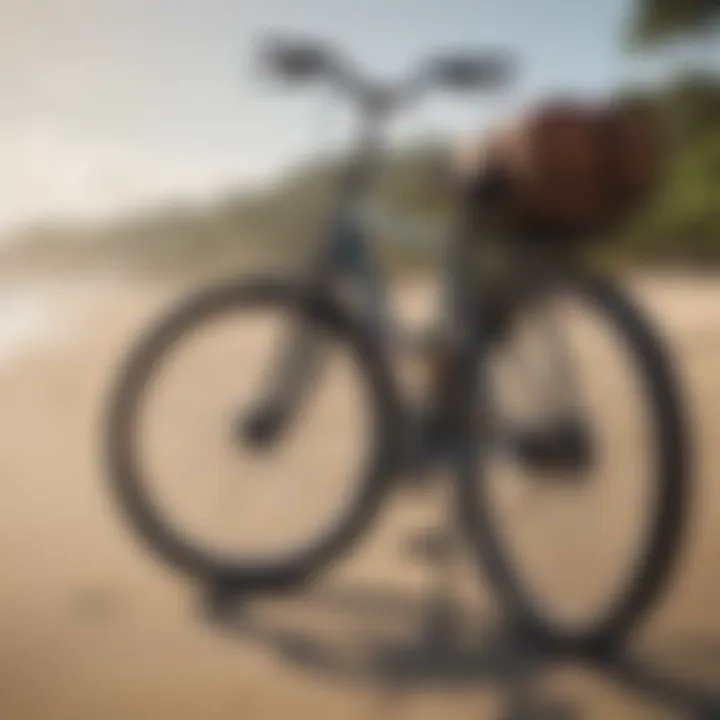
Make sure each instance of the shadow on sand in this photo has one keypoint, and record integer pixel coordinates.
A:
(403, 641)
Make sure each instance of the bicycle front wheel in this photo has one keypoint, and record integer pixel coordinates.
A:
(577, 504)
(229, 476)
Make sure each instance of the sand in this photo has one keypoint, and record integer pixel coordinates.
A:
(93, 627)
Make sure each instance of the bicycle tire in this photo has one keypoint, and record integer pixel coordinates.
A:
(650, 578)
(125, 473)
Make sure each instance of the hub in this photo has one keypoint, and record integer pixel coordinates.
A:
(564, 447)
(261, 427)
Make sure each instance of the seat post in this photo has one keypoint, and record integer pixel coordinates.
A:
(458, 318)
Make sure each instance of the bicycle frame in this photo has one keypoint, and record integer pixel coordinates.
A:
(458, 399)
(344, 254)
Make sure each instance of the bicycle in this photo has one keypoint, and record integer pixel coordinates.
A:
(458, 426)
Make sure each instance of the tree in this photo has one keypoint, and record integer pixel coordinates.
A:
(659, 21)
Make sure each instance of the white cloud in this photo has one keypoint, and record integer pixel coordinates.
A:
(49, 171)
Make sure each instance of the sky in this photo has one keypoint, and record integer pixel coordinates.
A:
(116, 104)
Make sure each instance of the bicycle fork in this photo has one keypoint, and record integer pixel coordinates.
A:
(297, 363)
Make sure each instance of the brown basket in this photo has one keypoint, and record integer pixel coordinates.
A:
(566, 170)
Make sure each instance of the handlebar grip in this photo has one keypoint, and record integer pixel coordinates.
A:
(294, 59)
(475, 72)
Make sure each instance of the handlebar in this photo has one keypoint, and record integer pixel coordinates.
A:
(303, 61)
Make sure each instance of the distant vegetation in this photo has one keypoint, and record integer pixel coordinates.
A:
(233, 232)
(683, 222)
(681, 225)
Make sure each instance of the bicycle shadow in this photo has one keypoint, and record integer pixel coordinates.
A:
(400, 643)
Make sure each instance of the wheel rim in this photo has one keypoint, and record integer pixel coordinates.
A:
(298, 556)
(654, 534)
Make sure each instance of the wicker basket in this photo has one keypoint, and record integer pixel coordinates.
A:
(564, 170)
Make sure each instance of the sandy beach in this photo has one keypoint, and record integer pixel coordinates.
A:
(92, 627)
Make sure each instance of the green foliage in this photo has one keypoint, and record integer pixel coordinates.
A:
(658, 21)
(683, 222)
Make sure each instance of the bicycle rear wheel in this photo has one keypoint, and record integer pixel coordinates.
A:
(623, 497)
(178, 459)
